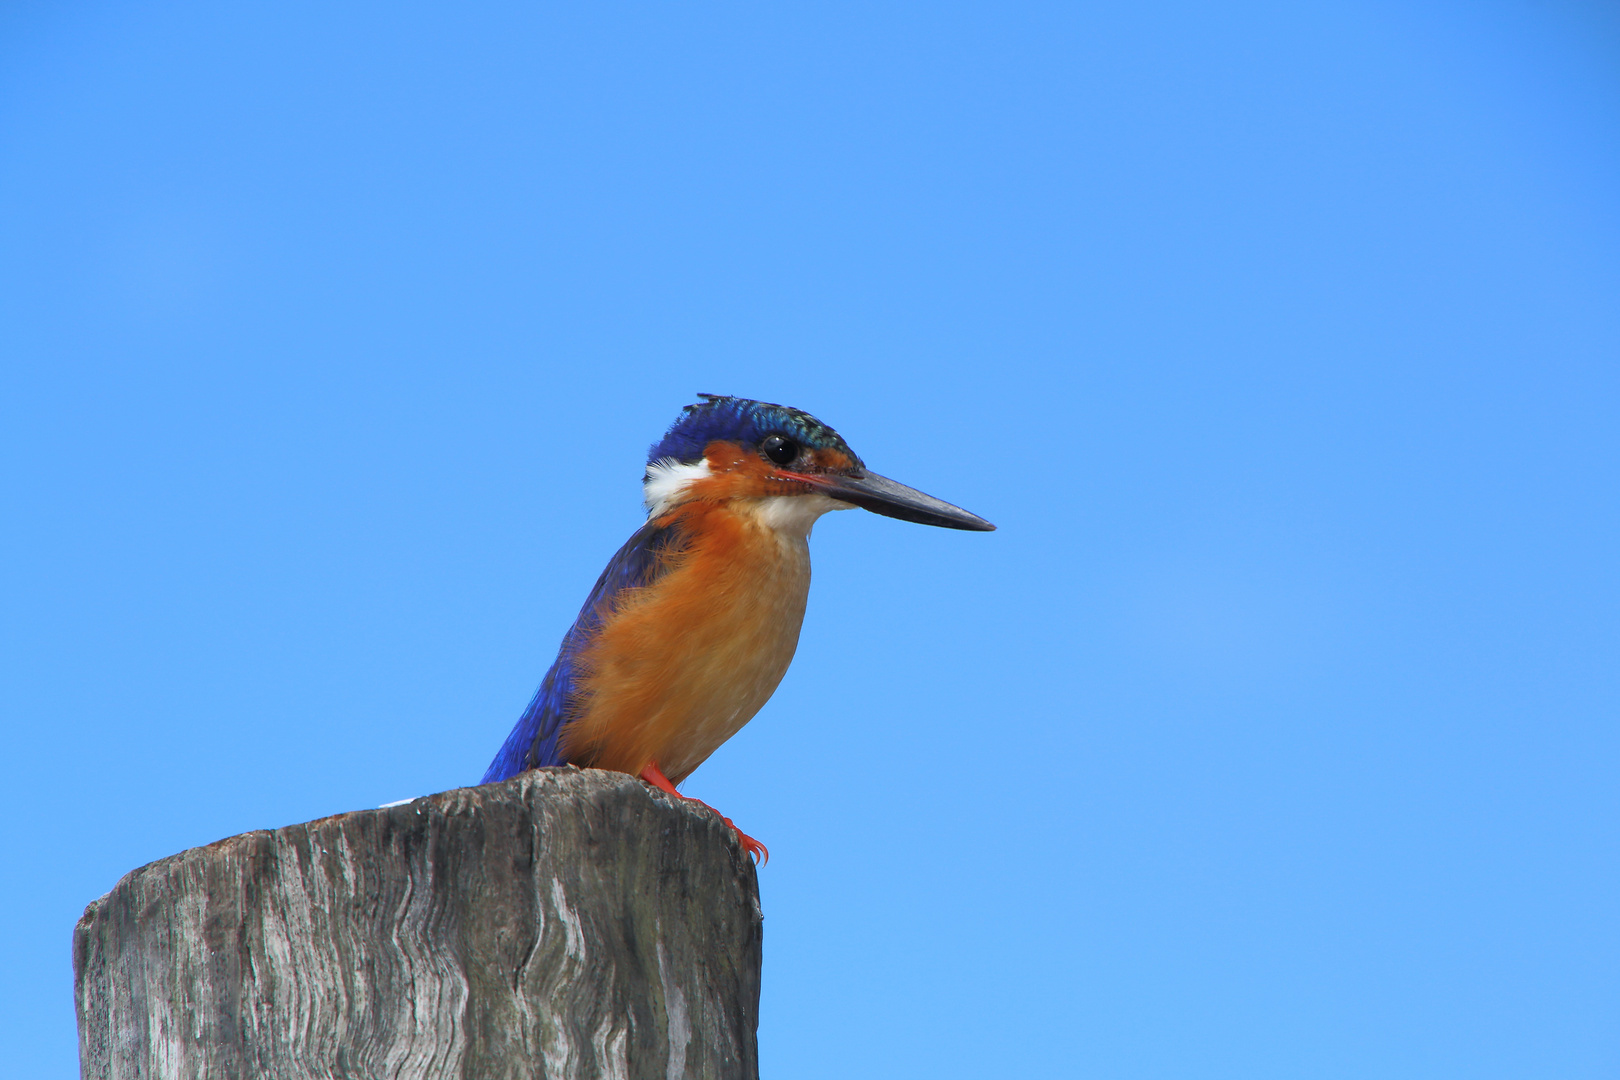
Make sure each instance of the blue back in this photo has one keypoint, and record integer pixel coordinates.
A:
(533, 743)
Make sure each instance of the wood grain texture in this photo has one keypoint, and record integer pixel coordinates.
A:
(563, 924)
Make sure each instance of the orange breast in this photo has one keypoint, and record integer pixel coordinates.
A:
(681, 665)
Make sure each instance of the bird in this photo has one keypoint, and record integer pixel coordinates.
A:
(695, 620)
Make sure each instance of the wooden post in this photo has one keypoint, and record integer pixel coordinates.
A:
(564, 924)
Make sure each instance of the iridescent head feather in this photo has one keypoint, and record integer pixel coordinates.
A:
(742, 421)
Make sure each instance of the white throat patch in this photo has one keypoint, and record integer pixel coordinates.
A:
(666, 479)
(793, 515)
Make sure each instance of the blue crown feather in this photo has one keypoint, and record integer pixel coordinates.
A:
(741, 420)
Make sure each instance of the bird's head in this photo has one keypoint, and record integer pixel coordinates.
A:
(729, 448)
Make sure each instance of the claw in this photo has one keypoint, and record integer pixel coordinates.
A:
(756, 850)
(759, 851)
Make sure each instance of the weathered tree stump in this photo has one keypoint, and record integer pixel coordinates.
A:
(562, 924)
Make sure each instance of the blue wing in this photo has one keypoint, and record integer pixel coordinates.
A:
(533, 743)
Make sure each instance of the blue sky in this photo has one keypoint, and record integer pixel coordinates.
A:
(1273, 734)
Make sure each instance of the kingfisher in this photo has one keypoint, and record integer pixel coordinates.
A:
(694, 622)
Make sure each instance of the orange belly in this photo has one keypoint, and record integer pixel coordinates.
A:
(681, 665)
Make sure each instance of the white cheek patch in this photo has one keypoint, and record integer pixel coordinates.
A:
(665, 480)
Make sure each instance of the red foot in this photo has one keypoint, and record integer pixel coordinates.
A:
(655, 776)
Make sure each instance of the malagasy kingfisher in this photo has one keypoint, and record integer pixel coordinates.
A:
(694, 622)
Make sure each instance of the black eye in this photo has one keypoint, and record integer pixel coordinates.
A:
(780, 448)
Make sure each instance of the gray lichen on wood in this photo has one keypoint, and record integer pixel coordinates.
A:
(562, 924)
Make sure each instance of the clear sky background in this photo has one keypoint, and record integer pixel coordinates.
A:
(1274, 733)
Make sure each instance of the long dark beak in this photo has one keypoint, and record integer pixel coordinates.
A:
(883, 496)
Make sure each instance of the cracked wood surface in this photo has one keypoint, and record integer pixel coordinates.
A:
(563, 924)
